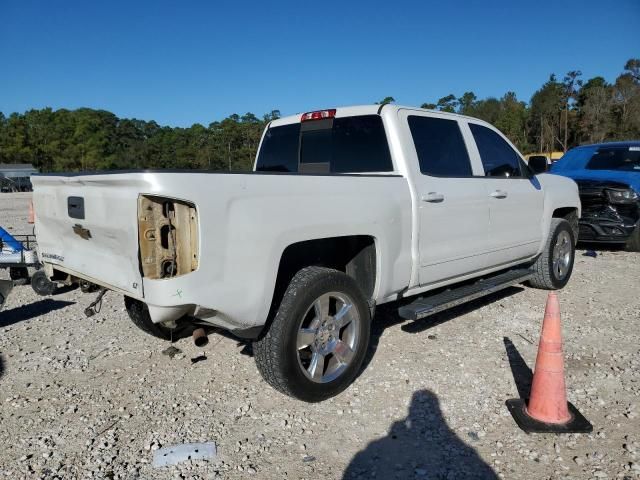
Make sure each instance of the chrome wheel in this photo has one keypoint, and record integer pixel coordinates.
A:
(561, 258)
(328, 337)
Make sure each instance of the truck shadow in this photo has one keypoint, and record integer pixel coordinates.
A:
(600, 247)
(387, 317)
(31, 310)
(420, 446)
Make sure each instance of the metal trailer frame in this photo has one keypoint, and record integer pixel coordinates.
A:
(29, 243)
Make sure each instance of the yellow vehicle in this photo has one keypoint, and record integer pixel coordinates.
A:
(551, 157)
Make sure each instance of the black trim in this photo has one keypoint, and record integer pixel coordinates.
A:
(208, 172)
(576, 423)
(381, 107)
(250, 333)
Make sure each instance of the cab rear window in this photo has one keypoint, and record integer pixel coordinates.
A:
(341, 145)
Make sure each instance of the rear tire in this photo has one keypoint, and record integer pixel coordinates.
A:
(633, 244)
(139, 315)
(315, 346)
(554, 266)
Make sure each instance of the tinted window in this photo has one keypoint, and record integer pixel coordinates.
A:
(360, 145)
(316, 149)
(627, 158)
(279, 151)
(440, 147)
(498, 158)
(341, 145)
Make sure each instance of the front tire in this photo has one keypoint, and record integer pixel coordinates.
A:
(139, 315)
(554, 266)
(319, 337)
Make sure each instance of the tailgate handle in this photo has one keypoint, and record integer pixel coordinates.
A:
(75, 207)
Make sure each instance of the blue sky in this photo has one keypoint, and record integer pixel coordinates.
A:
(185, 62)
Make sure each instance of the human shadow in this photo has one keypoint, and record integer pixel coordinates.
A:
(420, 446)
(31, 310)
(522, 374)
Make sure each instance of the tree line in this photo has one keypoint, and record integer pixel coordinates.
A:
(561, 114)
(88, 139)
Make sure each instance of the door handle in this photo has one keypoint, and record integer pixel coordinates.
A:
(499, 194)
(433, 197)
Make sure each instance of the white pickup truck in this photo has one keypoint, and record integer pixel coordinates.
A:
(346, 209)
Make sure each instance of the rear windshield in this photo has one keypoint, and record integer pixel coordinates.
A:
(342, 145)
(627, 159)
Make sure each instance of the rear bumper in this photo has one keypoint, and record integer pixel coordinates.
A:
(163, 298)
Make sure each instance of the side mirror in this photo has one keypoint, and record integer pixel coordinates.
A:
(538, 164)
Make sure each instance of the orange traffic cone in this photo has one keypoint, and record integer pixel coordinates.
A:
(32, 215)
(547, 409)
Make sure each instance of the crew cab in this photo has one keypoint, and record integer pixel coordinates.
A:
(346, 209)
(608, 178)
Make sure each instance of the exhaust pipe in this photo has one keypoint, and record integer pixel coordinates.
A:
(200, 337)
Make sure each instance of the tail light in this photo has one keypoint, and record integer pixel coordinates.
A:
(318, 115)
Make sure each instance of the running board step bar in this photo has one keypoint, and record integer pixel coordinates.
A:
(425, 306)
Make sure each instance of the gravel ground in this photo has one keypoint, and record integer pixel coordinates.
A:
(93, 398)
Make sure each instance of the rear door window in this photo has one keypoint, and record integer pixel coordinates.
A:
(440, 147)
(360, 145)
(498, 158)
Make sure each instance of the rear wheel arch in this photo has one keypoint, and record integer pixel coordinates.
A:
(355, 255)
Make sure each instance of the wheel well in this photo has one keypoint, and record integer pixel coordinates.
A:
(353, 255)
(570, 214)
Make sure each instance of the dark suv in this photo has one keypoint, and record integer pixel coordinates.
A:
(608, 177)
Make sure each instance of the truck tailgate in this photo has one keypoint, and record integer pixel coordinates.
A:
(101, 242)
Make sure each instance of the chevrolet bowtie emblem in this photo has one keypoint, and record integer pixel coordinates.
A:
(81, 231)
